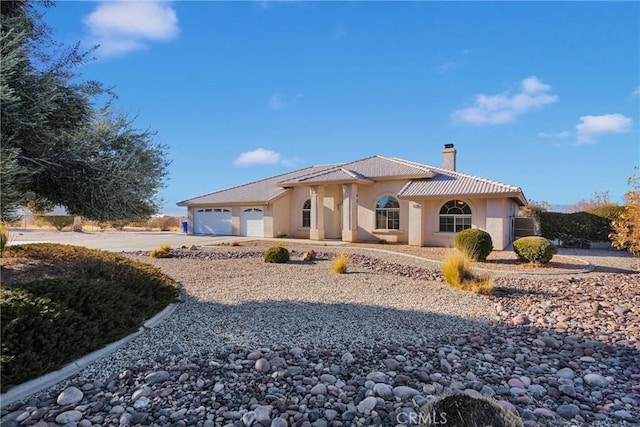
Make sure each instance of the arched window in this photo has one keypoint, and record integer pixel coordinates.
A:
(455, 216)
(306, 214)
(388, 214)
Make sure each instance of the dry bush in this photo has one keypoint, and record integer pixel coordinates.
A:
(165, 223)
(341, 263)
(59, 222)
(457, 273)
(626, 229)
(164, 251)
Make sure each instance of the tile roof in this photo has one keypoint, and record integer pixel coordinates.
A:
(426, 181)
(451, 183)
(258, 192)
(370, 168)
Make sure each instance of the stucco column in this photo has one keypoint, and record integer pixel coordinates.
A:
(416, 223)
(316, 232)
(350, 212)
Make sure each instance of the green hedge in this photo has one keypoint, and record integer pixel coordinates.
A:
(611, 212)
(574, 228)
(94, 298)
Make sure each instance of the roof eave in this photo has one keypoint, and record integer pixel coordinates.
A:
(328, 182)
(516, 196)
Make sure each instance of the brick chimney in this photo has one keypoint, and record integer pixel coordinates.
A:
(449, 157)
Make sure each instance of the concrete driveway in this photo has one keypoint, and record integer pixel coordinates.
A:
(118, 241)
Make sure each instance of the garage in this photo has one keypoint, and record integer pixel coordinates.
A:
(252, 222)
(212, 221)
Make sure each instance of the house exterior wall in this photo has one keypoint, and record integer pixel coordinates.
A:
(368, 196)
(419, 219)
(491, 215)
(279, 217)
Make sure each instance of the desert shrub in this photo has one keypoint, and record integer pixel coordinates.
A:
(462, 410)
(477, 244)
(95, 298)
(276, 254)
(456, 271)
(120, 224)
(625, 233)
(340, 263)
(59, 222)
(4, 236)
(534, 249)
(165, 223)
(575, 228)
(164, 251)
(382, 241)
(234, 243)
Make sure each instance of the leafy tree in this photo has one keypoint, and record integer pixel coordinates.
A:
(58, 148)
(626, 229)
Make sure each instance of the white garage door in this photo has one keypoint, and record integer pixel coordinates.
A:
(212, 221)
(252, 222)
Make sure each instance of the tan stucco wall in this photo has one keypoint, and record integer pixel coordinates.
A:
(279, 217)
(491, 215)
(295, 201)
(368, 196)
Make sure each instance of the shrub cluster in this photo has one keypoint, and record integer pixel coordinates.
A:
(475, 243)
(455, 267)
(276, 254)
(97, 298)
(534, 249)
(58, 221)
(165, 223)
(577, 228)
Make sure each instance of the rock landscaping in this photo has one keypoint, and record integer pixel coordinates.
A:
(255, 344)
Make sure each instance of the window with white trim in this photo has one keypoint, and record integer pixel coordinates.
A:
(306, 214)
(455, 216)
(388, 214)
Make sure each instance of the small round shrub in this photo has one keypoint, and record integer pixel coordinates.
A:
(277, 254)
(534, 249)
(477, 244)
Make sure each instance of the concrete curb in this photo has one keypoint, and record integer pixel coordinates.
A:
(26, 389)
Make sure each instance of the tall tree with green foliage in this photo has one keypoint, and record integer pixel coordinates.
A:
(58, 147)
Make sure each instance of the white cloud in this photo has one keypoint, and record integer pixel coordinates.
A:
(259, 156)
(277, 101)
(590, 126)
(505, 107)
(637, 91)
(558, 135)
(121, 27)
(447, 66)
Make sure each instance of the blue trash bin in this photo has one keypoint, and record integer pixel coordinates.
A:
(185, 226)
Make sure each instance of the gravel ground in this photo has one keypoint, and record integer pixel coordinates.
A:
(295, 344)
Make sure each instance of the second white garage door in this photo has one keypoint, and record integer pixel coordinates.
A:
(212, 221)
(252, 222)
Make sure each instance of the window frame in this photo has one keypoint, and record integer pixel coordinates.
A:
(306, 214)
(388, 217)
(454, 216)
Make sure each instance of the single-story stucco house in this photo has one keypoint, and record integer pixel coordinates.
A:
(365, 200)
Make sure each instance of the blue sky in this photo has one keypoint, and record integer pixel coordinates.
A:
(542, 95)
